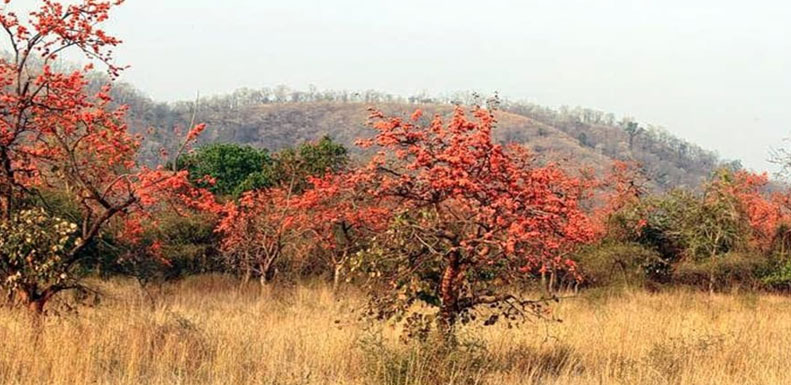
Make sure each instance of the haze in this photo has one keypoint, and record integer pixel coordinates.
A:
(713, 72)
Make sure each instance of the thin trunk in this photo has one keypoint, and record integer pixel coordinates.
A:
(248, 273)
(36, 307)
(543, 279)
(338, 268)
(449, 296)
(268, 271)
(336, 277)
(8, 190)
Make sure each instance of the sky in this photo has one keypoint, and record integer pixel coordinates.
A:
(713, 72)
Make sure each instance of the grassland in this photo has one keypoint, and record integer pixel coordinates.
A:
(207, 330)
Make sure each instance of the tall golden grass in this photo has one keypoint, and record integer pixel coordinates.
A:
(206, 330)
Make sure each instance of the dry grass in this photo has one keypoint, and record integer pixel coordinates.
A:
(206, 331)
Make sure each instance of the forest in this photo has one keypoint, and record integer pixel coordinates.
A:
(284, 237)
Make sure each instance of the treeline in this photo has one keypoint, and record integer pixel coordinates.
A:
(731, 231)
(274, 118)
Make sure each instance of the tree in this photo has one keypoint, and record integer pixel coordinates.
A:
(271, 220)
(308, 159)
(258, 229)
(228, 169)
(625, 187)
(340, 219)
(470, 216)
(732, 213)
(633, 129)
(55, 135)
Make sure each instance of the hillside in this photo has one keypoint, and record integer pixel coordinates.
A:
(277, 119)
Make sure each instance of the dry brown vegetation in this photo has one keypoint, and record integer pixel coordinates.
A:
(206, 330)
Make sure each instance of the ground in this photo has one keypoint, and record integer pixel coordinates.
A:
(208, 330)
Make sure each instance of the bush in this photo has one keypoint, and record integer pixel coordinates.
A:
(616, 263)
(187, 246)
(424, 362)
(778, 275)
(731, 270)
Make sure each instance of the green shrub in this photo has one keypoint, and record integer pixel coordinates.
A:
(724, 272)
(778, 276)
(617, 263)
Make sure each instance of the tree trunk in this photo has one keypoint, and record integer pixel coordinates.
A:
(268, 271)
(449, 297)
(7, 203)
(248, 273)
(336, 277)
(36, 307)
(34, 301)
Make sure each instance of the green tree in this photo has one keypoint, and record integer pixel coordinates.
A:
(228, 169)
(35, 246)
(681, 225)
(294, 165)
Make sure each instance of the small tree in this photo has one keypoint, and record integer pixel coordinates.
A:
(340, 220)
(471, 217)
(228, 169)
(35, 246)
(55, 135)
(258, 229)
(267, 223)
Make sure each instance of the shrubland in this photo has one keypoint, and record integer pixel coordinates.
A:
(443, 239)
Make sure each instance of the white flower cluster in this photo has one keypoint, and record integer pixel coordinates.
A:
(33, 245)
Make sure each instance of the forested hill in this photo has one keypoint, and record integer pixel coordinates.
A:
(278, 118)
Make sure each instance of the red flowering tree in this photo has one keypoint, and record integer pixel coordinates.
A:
(259, 228)
(765, 212)
(341, 218)
(55, 135)
(627, 184)
(470, 217)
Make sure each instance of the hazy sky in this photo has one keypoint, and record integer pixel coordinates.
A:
(713, 72)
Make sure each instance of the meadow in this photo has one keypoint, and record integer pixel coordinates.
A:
(209, 330)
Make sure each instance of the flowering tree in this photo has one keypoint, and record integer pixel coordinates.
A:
(55, 135)
(766, 212)
(303, 198)
(626, 181)
(340, 219)
(258, 229)
(470, 216)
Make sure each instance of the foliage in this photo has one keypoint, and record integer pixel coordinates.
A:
(35, 246)
(296, 165)
(613, 263)
(341, 219)
(732, 214)
(778, 276)
(174, 246)
(228, 169)
(232, 169)
(469, 216)
(728, 271)
(55, 134)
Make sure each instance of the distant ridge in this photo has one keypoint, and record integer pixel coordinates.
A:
(280, 117)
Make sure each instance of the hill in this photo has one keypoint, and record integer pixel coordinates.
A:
(274, 119)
